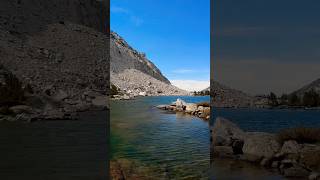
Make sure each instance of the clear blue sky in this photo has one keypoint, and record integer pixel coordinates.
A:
(174, 34)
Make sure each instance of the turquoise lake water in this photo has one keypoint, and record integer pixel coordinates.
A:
(176, 145)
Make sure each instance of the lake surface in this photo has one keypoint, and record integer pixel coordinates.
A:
(57, 150)
(175, 146)
(269, 120)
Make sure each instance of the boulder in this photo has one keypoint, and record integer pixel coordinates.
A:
(261, 144)
(21, 109)
(224, 132)
(126, 97)
(205, 112)
(180, 103)
(200, 108)
(191, 107)
(290, 147)
(142, 93)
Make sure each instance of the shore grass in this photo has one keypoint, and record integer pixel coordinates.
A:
(300, 134)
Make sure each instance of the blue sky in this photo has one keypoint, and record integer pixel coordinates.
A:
(174, 34)
(266, 45)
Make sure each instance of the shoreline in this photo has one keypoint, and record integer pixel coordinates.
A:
(132, 98)
(284, 152)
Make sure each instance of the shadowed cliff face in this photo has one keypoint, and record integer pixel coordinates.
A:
(59, 48)
(60, 44)
(31, 16)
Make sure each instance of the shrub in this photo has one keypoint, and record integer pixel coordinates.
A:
(301, 135)
(11, 91)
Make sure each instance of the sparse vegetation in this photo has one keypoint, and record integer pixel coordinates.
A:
(301, 135)
(201, 93)
(309, 99)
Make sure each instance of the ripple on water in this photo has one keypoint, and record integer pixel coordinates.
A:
(177, 144)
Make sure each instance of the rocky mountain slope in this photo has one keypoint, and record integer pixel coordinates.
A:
(223, 96)
(134, 74)
(315, 85)
(59, 48)
(31, 16)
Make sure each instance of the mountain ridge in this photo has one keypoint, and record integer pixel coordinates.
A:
(314, 85)
(134, 74)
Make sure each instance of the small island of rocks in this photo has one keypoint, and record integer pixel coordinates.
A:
(201, 110)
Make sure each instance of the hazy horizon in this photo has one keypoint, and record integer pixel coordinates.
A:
(267, 45)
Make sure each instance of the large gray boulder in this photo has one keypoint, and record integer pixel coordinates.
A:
(224, 132)
(261, 144)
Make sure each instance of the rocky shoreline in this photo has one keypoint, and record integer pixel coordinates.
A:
(30, 110)
(290, 158)
(201, 110)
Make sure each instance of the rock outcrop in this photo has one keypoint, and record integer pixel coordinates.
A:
(290, 158)
(134, 75)
(201, 110)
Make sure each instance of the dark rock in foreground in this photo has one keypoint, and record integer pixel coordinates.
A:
(289, 158)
